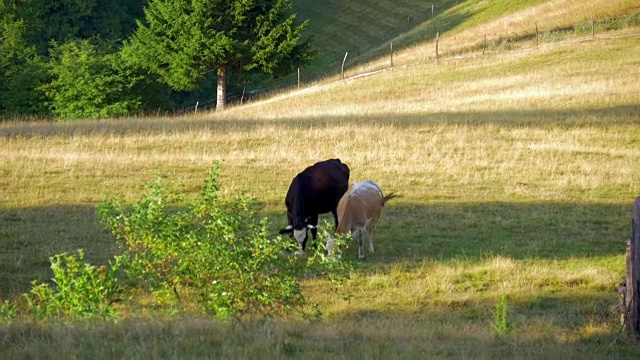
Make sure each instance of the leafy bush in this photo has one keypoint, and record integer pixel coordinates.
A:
(21, 69)
(222, 258)
(219, 260)
(81, 290)
(91, 81)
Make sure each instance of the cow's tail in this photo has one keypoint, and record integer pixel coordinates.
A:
(388, 197)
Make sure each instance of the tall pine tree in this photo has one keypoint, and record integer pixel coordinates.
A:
(184, 40)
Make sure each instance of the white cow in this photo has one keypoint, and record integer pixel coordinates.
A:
(359, 210)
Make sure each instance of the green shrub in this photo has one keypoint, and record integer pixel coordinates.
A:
(22, 71)
(80, 289)
(221, 257)
(91, 81)
(216, 259)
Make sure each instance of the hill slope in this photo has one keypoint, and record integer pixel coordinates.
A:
(366, 28)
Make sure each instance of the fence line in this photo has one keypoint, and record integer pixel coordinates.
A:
(459, 57)
(463, 57)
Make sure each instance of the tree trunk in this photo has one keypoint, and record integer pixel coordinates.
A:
(222, 88)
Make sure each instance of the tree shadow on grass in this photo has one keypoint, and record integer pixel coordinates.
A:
(563, 320)
(380, 334)
(407, 234)
(569, 325)
(450, 231)
(29, 236)
(519, 231)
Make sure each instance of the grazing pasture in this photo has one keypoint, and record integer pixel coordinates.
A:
(518, 173)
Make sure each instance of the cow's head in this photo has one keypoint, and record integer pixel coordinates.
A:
(299, 234)
(330, 244)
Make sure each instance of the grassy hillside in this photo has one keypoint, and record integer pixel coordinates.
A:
(366, 28)
(517, 172)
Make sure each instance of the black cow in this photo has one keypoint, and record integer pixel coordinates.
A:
(314, 191)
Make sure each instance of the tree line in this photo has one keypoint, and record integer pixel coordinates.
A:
(69, 59)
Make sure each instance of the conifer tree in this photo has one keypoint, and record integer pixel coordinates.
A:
(184, 40)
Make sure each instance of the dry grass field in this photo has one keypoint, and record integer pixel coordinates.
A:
(517, 172)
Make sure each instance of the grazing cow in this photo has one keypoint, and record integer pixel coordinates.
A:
(314, 191)
(358, 212)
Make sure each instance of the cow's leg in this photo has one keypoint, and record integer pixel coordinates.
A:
(360, 243)
(313, 220)
(370, 236)
(335, 219)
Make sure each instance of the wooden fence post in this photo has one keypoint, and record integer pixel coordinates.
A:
(593, 28)
(298, 78)
(196, 110)
(437, 41)
(431, 10)
(537, 36)
(632, 298)
(343, 61)
(484, 42)
(391, 54)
